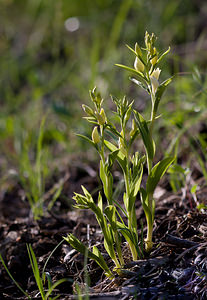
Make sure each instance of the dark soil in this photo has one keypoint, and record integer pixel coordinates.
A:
(176, 268)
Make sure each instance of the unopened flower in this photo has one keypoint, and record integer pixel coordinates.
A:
(154, 59)
(156, 73)
(138, 50)
(95, 135)
(154, 80)
(102, 113)
(101, 120)
(138, 65)
(88, 110)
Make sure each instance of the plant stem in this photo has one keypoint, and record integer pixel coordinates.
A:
(107, 176)
(148, 240)
(130, 212)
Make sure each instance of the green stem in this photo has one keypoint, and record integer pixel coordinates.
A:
(150, 221)
(101, 152)
(118, 248)
(131, 245)
(127, 186)
(148, 240)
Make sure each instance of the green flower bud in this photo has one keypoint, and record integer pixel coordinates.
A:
(88, 110)
(154, 59)
(102, 113)
(100, 118)
(138, 50)
(147, 40)
(95, 135)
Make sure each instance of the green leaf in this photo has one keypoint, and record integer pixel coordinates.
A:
(57, 283)
(147, 140)
(139, 74)
(129, 236)
(95, 255)
(193, 189)
(160, 90)
(131, 49)
(87, 194)
(110, 130)
(110, 212)
(120, 156)
(135, 184)
(108, 242)
(35, 269)
(100, 202)
(147, 211)
(156, 173)
(112, 157)
(88, 140)
(102, 262)
(163, 55)
(176, 169)
(139, 83)
(125, 232)
(103, 175)
(107, 180)
(12, 278)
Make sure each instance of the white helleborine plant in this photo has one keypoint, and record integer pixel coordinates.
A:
(115, 143)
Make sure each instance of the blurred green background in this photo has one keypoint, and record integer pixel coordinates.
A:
(53, 52)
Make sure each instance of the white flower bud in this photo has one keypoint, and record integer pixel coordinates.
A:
(154, 83)
(156, 73)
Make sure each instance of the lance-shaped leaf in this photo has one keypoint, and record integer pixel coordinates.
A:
(110, 212)
(120, 156)
(135, 184)
(139, 83)
(111, 158)
(147, 210)
(100, 202)
(156, 173)
(146, 137)
(129, 236)
(160, 90)
(107, 180)
(88, 140)
(95, 255)
(140, 76)
(163, 55)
